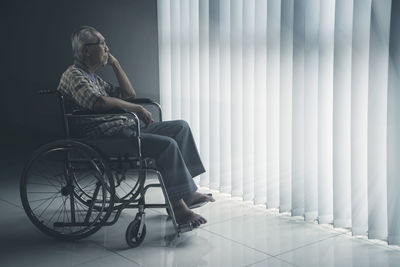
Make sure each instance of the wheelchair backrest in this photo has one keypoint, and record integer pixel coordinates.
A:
(66, 106)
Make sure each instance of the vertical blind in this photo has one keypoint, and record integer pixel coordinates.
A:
(293, 103)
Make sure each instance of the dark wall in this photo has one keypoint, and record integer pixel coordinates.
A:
(36, 50)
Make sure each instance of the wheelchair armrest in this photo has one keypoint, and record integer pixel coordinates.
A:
(113, 111)
(140, 100)
(146, 101)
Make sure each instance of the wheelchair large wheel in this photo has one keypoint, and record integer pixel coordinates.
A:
(53, 201)
(128, 183)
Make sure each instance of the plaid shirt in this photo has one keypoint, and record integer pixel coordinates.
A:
(84, 89)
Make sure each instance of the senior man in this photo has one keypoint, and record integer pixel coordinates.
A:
(170, 143)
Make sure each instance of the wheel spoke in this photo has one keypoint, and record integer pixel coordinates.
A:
(126, 193)
(44, 202)
(86, 176)
(48, 180)
(47, 206)
(47, 198)
(54, 214)
(60, 210)
(93, 183)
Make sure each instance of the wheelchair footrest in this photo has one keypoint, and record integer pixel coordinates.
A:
(182, 228)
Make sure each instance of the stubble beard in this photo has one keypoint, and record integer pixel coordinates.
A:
(105, 60)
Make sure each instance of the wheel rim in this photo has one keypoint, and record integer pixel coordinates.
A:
(126, 183)
(48, 191)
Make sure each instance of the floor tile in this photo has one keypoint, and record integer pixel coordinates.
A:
(113, 237)
(21, 244)
(197, 248)
(237, 234)
(272, 262)
(162, 247)
(343, 251)
(113, 260)
(225, 208)
(271, 234)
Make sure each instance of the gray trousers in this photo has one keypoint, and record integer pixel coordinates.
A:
(171, 145)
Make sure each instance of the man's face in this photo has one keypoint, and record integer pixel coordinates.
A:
(98, 52)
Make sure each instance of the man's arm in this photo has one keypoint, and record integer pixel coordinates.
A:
(107, 102)
(127, 90)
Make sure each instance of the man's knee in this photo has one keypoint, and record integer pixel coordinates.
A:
(182, 124)
(154, 145)
(171, 143)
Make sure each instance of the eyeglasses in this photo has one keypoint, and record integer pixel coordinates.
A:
(102, 43)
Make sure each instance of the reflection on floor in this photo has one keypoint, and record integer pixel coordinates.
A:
(237, 234)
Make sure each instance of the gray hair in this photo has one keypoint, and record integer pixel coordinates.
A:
(79, 38)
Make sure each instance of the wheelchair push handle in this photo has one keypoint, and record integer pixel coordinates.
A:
(113, 111)
(46, 92)
(147, 101)
(140, 100)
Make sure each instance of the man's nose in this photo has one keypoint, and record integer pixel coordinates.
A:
(106, 48)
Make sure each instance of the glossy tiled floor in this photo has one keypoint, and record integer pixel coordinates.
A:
(237, 234)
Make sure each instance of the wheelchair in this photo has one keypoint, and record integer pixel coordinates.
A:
(72, 187)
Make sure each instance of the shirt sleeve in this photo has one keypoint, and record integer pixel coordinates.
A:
(111, 90)
(82, 90)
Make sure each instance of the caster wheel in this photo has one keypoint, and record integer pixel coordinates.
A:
(132, 234)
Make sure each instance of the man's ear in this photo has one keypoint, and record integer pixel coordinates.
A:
(86, 51)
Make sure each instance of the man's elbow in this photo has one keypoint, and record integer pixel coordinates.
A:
(100, 104)
(129, 96)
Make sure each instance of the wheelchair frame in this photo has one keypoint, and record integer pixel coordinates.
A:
(80, 202)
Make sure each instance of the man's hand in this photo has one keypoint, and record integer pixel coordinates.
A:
(111, 59)
(145, 116)
(124, 83)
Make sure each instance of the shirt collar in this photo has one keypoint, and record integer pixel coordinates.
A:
(82, 66)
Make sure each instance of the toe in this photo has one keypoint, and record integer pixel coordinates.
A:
(196, 223)
(202, 220)
(209, 198)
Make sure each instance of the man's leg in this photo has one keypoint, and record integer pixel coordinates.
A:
(179, 130)
(165, 151)
(170, 163)
(177, 178)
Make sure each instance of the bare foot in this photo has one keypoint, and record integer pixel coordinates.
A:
(184, 215)
(196, 198)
